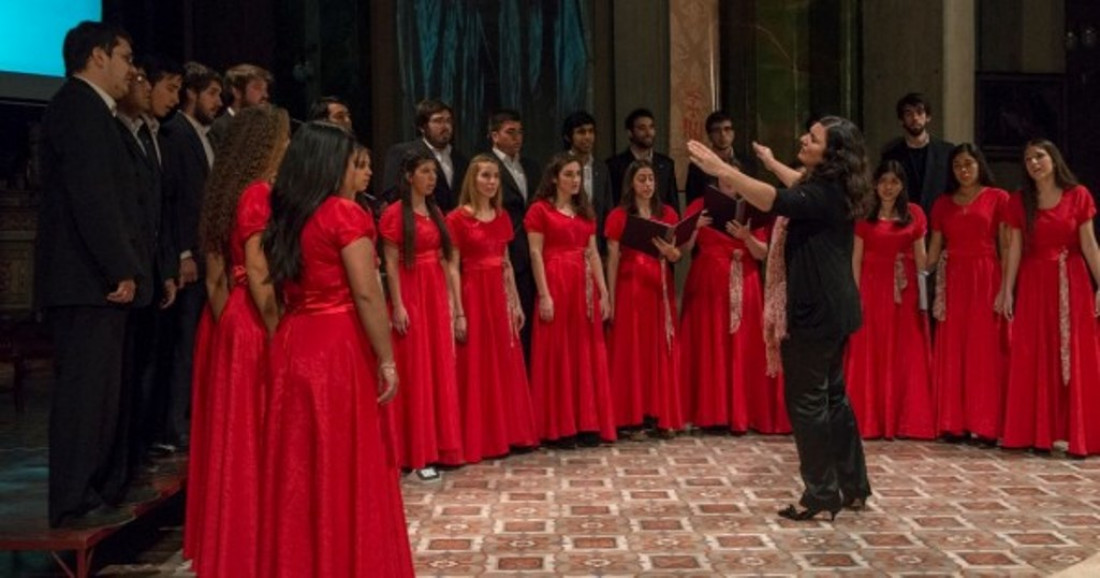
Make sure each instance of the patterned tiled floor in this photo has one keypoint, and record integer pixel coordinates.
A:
(705, 506)
(702, 506)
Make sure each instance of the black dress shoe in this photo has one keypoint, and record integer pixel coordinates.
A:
(792, 513)
(97, 518)
(139, 495)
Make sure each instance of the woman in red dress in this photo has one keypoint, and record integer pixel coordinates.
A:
(643, 349)
(569, 374)
(970, 350)
(725, 378)
(331, 500)
(492, 378)
(1054, 373)
(243, 305)
(417, 249)
(889, 357)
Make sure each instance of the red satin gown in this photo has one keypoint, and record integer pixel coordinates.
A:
(427, 417)
(331, 500)
(970, 352)
(1054, 373)
(569, 373)
(236, 388)
(888, 362)
(497, 414)
(643, 348)
(724, 372)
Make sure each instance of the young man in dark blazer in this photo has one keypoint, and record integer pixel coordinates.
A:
(923, 156)
(641, 130)
(519, 179)
(578, 136)
(89, 271)
(147, 327)
(435, 124)
(188, 155)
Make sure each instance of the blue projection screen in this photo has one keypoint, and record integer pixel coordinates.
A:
(31, 33)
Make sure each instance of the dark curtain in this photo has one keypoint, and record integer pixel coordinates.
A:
(481, 55)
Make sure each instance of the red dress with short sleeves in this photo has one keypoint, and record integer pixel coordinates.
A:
(970, 352)
(236, 387)
(643, 348)
(724, 373)
(569, 373)
(427, 417)
(1054, 370)
(492, 378)
(887, 367)
(331, 503)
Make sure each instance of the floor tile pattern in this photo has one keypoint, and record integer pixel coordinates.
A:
(705, 506)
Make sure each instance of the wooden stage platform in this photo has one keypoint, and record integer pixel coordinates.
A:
(23, 519)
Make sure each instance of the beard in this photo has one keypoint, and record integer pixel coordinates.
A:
(204, 118)
(915, 130)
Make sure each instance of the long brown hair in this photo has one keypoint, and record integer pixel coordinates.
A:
(1063, 177)
(469, 182)
(409, 164)
(253, 148)
(629, 200)
(548, 187)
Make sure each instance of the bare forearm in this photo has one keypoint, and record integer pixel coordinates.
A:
(786, 175)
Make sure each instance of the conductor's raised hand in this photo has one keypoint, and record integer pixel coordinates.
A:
(705, 158)
(763, 153)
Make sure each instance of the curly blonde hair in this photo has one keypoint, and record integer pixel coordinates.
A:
(253, 148)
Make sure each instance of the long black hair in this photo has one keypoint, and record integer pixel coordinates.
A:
(901, 204)
(845, 162)
(313, 169)
(412, 161)
(1063, 177)
(985, 176)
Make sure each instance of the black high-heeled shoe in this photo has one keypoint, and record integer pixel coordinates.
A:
(793, 513)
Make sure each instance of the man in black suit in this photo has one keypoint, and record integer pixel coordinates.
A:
(331, 109)
(641, 130)
(90, 270)
(578, 135)
(519, 179)
(187, 158)
(435, 123)
(923, 156)
(721, 135)
(144, 331)
(246, 85)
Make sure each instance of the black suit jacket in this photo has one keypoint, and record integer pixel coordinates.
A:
(160, 251)
(445, 195)
(516, 205)
(88, 236)
(601, 198)
(664, 169)
(184, 175)
(935, 169)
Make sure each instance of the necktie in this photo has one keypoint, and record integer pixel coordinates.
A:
(146, 138)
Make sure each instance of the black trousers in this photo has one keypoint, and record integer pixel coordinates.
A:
(152, 389)
(189, 305)
(88, 457)
(525, 287)
(830, 451)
